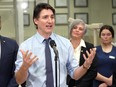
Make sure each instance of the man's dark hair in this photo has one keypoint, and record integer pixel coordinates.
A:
(39, 7)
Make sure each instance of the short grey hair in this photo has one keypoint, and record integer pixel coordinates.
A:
(74, 22)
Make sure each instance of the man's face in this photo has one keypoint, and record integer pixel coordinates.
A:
(45, 22)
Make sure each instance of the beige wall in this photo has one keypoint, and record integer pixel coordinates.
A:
(99, 11)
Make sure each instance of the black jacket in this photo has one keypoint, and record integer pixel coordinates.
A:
(87, 79)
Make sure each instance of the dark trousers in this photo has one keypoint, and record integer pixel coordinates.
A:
(114, 79)
(71, 82)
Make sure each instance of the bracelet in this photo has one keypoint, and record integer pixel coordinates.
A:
(85, 67)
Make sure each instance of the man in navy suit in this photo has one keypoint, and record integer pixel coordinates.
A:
(7, 60)
(8, 53)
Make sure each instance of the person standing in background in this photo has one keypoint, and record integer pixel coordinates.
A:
(106, 54)
(8, 53)
(31, 59)
(77, 31)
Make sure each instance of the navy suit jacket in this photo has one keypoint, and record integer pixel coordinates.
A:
(8, 55)
(87, 79)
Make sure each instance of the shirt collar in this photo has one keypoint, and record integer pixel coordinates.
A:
(82, 43)
(41, 38)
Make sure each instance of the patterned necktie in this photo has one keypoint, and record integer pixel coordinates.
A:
(49, 71)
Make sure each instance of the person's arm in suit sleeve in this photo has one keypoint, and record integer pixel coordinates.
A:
(12, 82)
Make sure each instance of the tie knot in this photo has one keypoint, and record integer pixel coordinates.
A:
(47, 40)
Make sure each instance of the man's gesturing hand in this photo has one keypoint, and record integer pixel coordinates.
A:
(28, 59)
